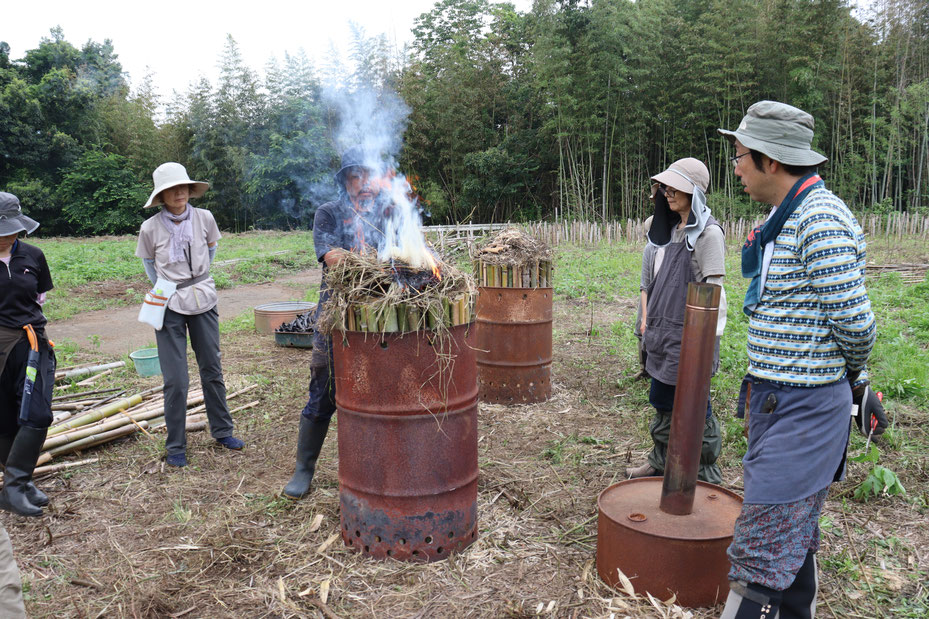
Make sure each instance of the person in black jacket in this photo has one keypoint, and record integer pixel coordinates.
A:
(24, 280)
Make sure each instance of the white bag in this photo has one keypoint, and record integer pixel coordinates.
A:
(155, 303)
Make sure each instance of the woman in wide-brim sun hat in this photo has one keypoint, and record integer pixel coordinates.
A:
(178, 244)
(688, 247)
(24, 281)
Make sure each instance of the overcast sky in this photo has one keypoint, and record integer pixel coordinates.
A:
(180, 41)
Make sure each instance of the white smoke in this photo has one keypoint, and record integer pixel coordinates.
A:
(374, 122)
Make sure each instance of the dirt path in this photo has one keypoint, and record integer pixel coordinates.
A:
(120, 332)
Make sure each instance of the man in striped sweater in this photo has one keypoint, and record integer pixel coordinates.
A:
(810, 333)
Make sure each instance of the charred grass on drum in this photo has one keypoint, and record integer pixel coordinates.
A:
(127, 538)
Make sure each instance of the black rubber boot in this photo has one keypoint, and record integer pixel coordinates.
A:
(799, 601)
(35, 496)
(309, 444)
(19, 467)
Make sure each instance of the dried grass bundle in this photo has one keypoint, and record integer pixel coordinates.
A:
(374, 296)
(512, 247)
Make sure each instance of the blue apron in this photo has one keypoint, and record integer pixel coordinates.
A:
(797, 439)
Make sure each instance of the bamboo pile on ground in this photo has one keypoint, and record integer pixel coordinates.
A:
(513, 259)
(118, 418)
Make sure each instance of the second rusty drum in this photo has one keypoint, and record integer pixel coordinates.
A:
(514, 344)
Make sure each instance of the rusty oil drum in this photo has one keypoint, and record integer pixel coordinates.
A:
(514, 344)
(407, 423)
(663, 553)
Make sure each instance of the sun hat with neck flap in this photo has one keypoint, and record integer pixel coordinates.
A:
(689, 176)
(782, 132)
(169, 175)
(12, 220)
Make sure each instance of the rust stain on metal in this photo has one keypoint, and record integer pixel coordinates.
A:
(407, 422)
(698, 342)
(514, 344)
(664, 553)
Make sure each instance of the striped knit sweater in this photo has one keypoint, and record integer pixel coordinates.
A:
(814, 318)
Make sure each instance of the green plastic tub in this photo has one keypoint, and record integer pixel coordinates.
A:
(146, 361)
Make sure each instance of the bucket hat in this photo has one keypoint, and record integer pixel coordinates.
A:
(782, 132)
(354, 157)
(12, 220)
(172, 174)
(684, 175)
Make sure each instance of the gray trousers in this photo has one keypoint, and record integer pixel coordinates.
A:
(11, 585)
(172, 355)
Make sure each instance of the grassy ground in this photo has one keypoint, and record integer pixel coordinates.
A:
(125, 537)
(104, 272)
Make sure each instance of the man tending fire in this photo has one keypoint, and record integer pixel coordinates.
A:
(348, 224)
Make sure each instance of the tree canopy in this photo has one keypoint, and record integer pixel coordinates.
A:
(561, 111)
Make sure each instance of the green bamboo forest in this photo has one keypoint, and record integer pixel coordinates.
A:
(561, 112)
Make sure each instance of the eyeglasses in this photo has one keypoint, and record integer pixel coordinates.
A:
(735, 159)
(668, 191)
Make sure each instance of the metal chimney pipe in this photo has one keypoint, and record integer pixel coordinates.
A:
(688, 417)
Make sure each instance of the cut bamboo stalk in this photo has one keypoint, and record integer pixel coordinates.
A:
(90, 381)
(402, 325)
(72, 396)
(74, 435)
(350, 320)
(95, 439)
(390, 322)
(245, 406)
(88, 370)
(54, 468)
(136, 423)
(105, 411)
(152, 391)
(370, 319)
(71, 406)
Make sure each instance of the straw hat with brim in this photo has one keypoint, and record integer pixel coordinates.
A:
(782, 132)
(684, 175)
(169, 175)
(12, 220)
